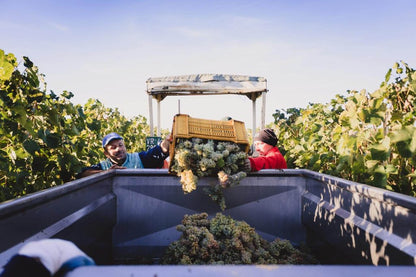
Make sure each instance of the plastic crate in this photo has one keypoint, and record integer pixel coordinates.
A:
(187, 127)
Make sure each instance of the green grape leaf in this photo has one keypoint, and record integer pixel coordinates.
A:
(31, 146)
(53, 140)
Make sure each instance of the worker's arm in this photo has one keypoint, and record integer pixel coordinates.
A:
(88, 171)
(155, 157)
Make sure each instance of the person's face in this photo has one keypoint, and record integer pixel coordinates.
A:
(262, 148)
(115, 150)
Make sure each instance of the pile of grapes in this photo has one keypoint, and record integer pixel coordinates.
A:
(223, 240)
(195, 158)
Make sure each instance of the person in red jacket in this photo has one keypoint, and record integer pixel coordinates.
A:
(269, 156)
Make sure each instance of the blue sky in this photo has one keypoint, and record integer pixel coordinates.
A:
(309, 51)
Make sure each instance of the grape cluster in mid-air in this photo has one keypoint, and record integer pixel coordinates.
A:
(195, 158)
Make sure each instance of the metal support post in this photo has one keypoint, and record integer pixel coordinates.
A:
(151, 115)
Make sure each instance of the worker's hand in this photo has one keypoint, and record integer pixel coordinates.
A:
(116, 166)
(165, 144)
(247, 165)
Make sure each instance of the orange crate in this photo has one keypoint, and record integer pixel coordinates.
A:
(187, 127)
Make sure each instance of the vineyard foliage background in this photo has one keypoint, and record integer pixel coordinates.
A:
(364, 137)
(46, 139)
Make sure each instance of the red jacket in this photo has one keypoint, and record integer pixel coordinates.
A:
(273, 160)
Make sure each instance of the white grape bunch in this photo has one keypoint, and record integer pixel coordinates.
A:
(195, 158)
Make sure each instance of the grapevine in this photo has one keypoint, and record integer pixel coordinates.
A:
(195, 158)
(364, 137)
(45, 138)
(223, 240)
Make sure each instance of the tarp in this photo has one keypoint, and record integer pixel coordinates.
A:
(206, 84)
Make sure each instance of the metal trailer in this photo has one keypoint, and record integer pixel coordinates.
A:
(118, 215)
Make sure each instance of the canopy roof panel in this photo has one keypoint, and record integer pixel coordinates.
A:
(206, 84)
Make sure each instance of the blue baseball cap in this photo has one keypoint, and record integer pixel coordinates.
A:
(110, 137)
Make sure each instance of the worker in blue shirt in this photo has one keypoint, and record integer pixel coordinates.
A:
(118, 158)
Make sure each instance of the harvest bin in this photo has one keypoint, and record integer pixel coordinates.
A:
(120, 215)
(186, 127)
